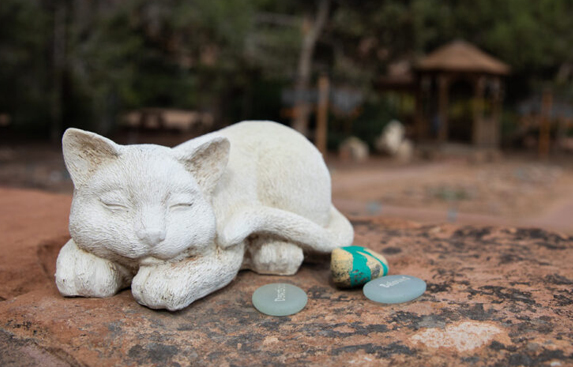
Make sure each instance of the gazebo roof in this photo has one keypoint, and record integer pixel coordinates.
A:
(462, 56)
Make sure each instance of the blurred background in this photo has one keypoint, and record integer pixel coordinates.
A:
(426, 110)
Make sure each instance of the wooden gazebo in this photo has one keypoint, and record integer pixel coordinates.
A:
(434, 77)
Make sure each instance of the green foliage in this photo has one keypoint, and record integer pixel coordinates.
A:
(100, 54)
(528, 35)
(233, 58)
(24, 72)
(265, 100)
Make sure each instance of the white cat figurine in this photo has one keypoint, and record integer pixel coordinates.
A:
(179, 223)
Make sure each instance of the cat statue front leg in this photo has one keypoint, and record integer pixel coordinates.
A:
(80, 273)
(268, 255)
(175, 285)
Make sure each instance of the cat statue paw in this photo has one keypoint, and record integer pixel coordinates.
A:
(177, 224)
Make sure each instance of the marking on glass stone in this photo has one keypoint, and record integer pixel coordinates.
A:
(394, 282)
(281, 293)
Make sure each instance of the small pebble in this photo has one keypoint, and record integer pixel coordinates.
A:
(452, 215)
(353, 266)
(394, 289)
(279, 299)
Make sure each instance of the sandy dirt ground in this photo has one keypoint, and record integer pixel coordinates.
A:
(513, 191)
(516, 191)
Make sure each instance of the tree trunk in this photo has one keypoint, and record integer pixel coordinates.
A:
(321, 138)
(310, 37)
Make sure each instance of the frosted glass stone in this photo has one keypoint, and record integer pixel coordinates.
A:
(279, 299)
(394, 289)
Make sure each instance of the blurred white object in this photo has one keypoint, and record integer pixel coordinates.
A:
(405, 151)
(353, 149)
(392, 141)
(391, 138)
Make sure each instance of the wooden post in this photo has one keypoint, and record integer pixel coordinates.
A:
(443, 85)
(322, 114)
(561, 131)
(419, 112)
(478, 118)
(545, 123)
(496, 105)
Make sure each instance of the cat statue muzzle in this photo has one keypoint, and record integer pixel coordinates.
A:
(177, 224)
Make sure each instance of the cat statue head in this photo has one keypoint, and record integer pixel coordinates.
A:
(135, 204)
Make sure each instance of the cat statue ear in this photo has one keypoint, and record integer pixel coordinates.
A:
(206, 158)
(84, 152)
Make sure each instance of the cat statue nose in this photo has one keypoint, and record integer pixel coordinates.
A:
(151, 236)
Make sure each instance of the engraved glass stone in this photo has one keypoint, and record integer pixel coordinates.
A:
(394, 289)
(279, 299)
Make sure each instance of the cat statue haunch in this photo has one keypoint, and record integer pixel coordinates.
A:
(179, 223)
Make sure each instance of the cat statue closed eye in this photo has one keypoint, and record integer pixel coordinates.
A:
(179, 223)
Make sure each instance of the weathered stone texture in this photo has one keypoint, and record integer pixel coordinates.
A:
(496, 296)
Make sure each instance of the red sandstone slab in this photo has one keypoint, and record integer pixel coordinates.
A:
(496, 296)
(32, 224)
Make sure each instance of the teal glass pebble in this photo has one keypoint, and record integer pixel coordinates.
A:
(279, 299)
(394, 289)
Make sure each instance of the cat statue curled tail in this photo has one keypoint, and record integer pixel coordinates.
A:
(177, 224)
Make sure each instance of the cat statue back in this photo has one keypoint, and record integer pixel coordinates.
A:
(179, 223)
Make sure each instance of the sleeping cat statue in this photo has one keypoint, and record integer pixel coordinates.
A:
(179, 223)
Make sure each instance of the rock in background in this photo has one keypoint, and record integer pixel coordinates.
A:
(354, 150)
(392, 141)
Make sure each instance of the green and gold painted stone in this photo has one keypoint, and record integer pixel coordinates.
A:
(352, 266)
